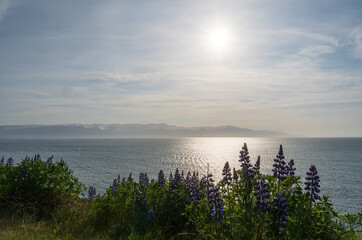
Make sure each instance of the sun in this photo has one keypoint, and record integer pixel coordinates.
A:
(218, 40)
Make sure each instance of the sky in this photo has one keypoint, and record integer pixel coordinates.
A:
(290, 66)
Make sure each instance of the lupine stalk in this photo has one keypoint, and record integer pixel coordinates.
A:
(226, 172)
(312, 184)
(291, 168)
(91, 193)
(10, 162)
(262, 194)
(161, 179)
(280, 205)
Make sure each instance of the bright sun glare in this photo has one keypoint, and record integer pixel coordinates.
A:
(219, 40)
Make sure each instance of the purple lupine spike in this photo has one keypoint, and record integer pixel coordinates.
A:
(170, 179)
(10, 162)
(193, 188)
(91, 193)
(246, 166)
(280, 205)
(26, 160)
(119, 178)
(115, 186)
(256, 167)
(235, 175)
(161, 179)
(280, 169)
(143, 179)
(262, 194)
(50, 160)
(226, 172)
(195, 176)
(177, 177)
(37, 158)
(2, 162)
(312, 183)
(216, 203)
(291, 168)
(124, 180)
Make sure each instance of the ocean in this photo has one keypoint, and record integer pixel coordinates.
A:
(97, 162)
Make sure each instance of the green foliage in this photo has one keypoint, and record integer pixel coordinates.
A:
(37, 187)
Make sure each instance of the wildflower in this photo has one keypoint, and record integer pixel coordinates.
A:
(280, 204)
(312, 183)
(256, 167)
(2, 162)
(115, 186)
(10, 162)
(143, 179)
(37, 158)
(193, 188)
(91, 193)
(226, 172)
(151, 215)
(290, 168)
(161, 179)
(177, 177)
(62, 161)
(262, 194)
(246, 166)
(216, 203)
(50, 160)
(280, 169)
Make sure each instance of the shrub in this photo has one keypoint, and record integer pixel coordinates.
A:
(37, 186)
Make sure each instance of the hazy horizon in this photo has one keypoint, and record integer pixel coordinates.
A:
(288, 66)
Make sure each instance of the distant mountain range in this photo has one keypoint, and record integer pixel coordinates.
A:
(127, 131)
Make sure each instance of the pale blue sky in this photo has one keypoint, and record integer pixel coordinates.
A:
(292, 66)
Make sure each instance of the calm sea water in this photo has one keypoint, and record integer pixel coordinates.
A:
(98, 161)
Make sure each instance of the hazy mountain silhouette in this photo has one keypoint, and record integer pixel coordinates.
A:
(128, 131)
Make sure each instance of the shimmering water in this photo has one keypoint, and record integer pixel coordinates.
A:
(98, 161)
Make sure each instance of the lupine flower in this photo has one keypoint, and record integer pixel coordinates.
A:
(10, 162)
(280, 169)
(161, 179)
(2, 162)
(26, 160)
(291, 168)
(151, 215)
(235, 175)
(312, 183)
(216, 203)
(226, 172)
(246, 166)
(280, 205)
(188, 176)
(124, 180)
(256, 167)
(24, 173)
(91, 193)
(62, 161)
(177, 177)
(37, 158)
(50, 160)
(115, 186)
(170, 179)
(262, 194)
(143, 179)
(193, 188)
